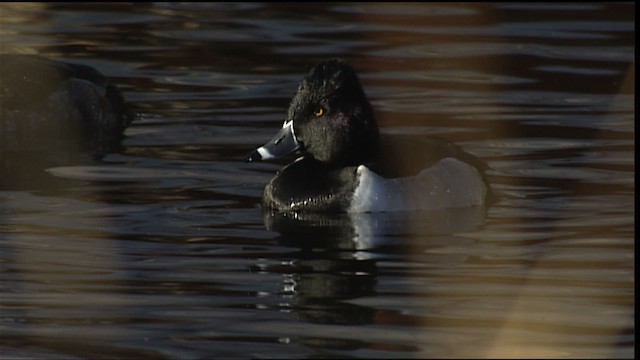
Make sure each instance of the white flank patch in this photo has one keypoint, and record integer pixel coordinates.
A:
(447, 184)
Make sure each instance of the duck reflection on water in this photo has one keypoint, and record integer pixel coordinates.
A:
(366, 231)
(336, 256)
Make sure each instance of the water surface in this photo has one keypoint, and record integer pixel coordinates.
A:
(163, 251)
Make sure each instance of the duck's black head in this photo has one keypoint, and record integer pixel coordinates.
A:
(329, 118)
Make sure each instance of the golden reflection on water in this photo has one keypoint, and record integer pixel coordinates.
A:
(562, 315)
(63, 261)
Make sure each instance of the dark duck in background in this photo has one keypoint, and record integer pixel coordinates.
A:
(54, 113)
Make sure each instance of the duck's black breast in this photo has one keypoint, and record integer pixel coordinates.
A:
(310, 185)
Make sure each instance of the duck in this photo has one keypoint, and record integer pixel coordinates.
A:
(55, 113)
(71, 103)
(345, 164)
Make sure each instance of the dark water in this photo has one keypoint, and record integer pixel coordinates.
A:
(162, 250)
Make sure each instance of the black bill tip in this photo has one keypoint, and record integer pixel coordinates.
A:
(253, 156)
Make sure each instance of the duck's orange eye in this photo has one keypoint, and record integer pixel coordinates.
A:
(319, 112)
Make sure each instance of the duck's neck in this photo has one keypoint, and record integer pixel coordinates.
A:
(364, 148)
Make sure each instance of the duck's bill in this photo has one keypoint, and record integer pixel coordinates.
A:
(284, 143)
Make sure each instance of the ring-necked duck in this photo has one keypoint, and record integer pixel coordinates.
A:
(72, 103)
(347, 165)
(54, 113)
